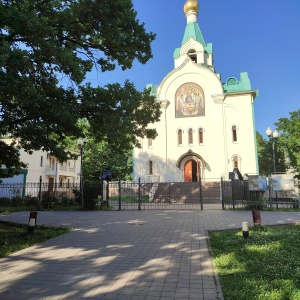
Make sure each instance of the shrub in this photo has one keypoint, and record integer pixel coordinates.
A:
(4, 201)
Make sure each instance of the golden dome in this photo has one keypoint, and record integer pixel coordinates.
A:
(191, 5)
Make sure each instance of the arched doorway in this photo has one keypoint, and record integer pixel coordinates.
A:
(191, 171)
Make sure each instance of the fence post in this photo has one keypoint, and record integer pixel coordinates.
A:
(232, 192)
(201, 194)
(40, 193)
(270, 193)
(120, 196)
(222, 193)
(139, 194)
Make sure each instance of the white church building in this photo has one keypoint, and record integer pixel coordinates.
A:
(207, 126)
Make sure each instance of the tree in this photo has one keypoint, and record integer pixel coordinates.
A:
(46, 50)
(99, 157)
(265, 156)
(289, 140)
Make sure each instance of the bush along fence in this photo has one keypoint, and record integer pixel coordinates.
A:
(39, 195)
(258, 192)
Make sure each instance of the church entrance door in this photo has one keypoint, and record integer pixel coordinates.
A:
(191, 171)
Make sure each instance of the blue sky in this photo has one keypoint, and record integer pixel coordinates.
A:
(261, 37)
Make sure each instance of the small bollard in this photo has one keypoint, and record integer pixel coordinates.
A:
(32, 221)
(256, 217)
(245, 229)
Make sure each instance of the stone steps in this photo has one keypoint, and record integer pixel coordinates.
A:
(187, 192)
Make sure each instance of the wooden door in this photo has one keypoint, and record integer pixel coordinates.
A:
(188, 171)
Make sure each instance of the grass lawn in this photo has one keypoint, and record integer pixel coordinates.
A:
(130, 199)
(264, 266)
(15, 237)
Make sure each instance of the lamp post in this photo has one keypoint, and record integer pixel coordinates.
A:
(273, 136)
(81, 144)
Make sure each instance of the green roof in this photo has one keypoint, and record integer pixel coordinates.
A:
(192, 30)
(234, 85)
(153, 89)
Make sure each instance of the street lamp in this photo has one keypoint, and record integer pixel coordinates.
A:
(273, 136)
(81, 144)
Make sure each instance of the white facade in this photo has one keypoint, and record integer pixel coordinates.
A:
(207, 127)
(42, 165)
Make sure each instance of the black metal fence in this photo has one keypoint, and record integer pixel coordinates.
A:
(163, 195)
(139, 195)
(51, 196)
(236, 194)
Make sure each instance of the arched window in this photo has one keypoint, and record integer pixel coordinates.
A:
(235, 161)
(150, 167)
(193, 55)
(200, 133)
(231, 81)
(179, 137)
(234, 133)
(190, 136)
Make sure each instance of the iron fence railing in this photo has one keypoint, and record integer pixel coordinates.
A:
(236, 194)
(51, 195)
(143, 194)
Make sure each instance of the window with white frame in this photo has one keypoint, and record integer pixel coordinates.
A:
(179, 137)
(190, 136)
(235, 160)
(150, 167)
(200, 134)
(234, 133)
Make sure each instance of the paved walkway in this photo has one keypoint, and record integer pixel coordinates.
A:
(123, 255)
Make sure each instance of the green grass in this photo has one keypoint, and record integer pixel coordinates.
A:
(130, 199)
(9, 209)
(264, 266)
(15, 237)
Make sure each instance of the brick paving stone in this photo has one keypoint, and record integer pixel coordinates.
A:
(106, 257)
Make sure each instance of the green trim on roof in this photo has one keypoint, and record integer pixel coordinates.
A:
(176, 53)
(209, 48)
(153, 89)
(192, 30)
(234, 85)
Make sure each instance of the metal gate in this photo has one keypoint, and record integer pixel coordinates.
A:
(237, 194)
(138, 195)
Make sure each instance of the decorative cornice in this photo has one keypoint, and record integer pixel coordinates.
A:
(164, 103)
(218, 98)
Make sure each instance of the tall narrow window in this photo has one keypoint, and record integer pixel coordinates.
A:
(234, 134)
(42, 161)
(200, 135)
(150, 167)
(179, 137)
(235, 161)
(190, 136)
(149, 143)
